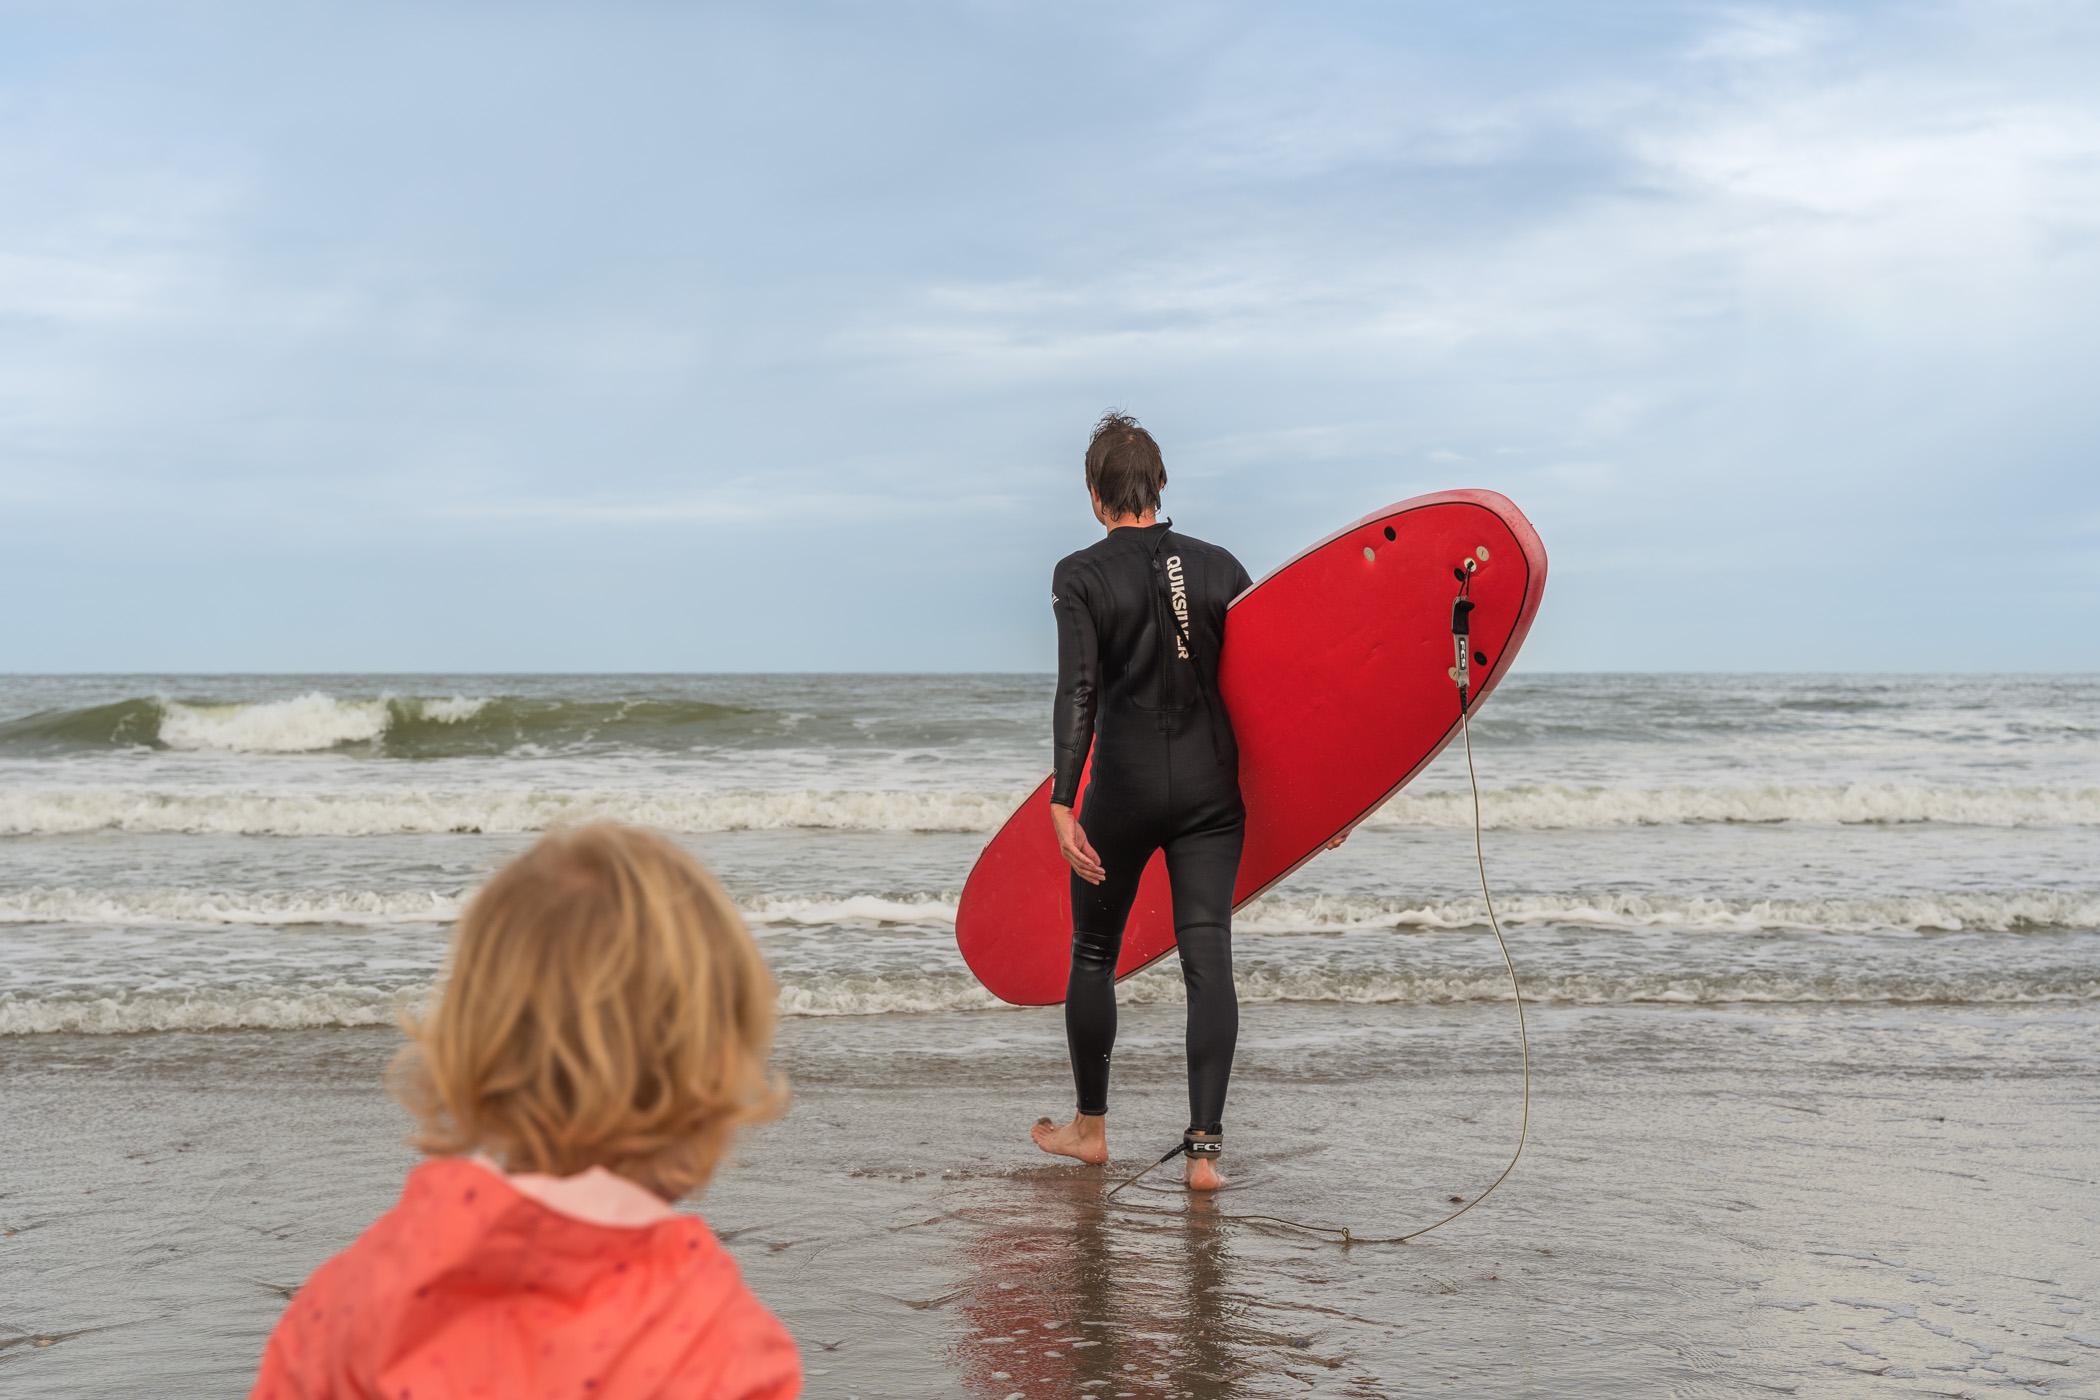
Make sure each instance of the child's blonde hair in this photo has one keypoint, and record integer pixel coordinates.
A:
(604, 1006)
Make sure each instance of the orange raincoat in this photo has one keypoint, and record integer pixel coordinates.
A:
(476, 1284)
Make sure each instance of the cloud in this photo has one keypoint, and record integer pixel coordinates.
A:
(1844, 192)
(1288, 102)
(733, 271)
(1753, 35)
(1865, 189)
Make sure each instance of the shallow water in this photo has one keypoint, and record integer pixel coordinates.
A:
(1813, 963)
(1716, 1202)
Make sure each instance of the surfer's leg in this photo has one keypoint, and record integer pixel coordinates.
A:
(1202, 867)
(1214, 1020)
(1098, 915)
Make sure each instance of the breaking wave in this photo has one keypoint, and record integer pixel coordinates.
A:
(870, 995)
(407, 810)
(276, 909)
(388, 726)
(417, 811)
(2018, 912)
(2021, 912)
(1313, 983)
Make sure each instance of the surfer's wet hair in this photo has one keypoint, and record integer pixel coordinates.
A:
(1123, 466)
(604, 1007)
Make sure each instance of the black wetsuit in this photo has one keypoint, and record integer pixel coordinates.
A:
(1140, 624)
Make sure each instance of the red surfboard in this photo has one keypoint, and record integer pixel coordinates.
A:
(1337, 674)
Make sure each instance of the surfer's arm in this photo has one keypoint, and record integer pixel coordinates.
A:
(1078, 682)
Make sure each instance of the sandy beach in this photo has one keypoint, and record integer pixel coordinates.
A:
(1716, 1202)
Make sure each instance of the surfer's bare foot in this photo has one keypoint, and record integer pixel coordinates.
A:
(1203, 1174)
(1085, 1138)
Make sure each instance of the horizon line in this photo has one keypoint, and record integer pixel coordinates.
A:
(1544, 671)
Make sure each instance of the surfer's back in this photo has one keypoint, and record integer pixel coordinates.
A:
(1121, 578)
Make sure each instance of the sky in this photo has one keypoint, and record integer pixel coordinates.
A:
(487, 337)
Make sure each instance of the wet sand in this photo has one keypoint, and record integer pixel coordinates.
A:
(1860, 1201)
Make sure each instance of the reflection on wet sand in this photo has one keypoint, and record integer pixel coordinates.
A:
(1068, 1295)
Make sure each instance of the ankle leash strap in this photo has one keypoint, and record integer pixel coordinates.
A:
(1195, 1144)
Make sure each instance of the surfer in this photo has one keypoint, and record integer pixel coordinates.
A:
(1140, 626)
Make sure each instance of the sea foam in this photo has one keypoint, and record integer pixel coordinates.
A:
(1928, 912)
(307, 723)
(382, 725)
(871, 995)
(370, 811)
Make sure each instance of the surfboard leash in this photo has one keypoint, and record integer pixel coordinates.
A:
(1461, 674)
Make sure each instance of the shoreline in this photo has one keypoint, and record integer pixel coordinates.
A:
(1677, 1224)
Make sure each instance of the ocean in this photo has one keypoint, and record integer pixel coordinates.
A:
(204, 853)
(1834, 906)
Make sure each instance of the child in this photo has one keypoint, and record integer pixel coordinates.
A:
(600, 1037)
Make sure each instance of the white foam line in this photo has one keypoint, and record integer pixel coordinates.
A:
(1928, 912)
(412, 811)
(135, 908)
(307, 723)
(1274, 914)
(864, 995)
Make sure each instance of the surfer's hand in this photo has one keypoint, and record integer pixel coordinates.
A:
(1337, 841)
(1074, 847)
